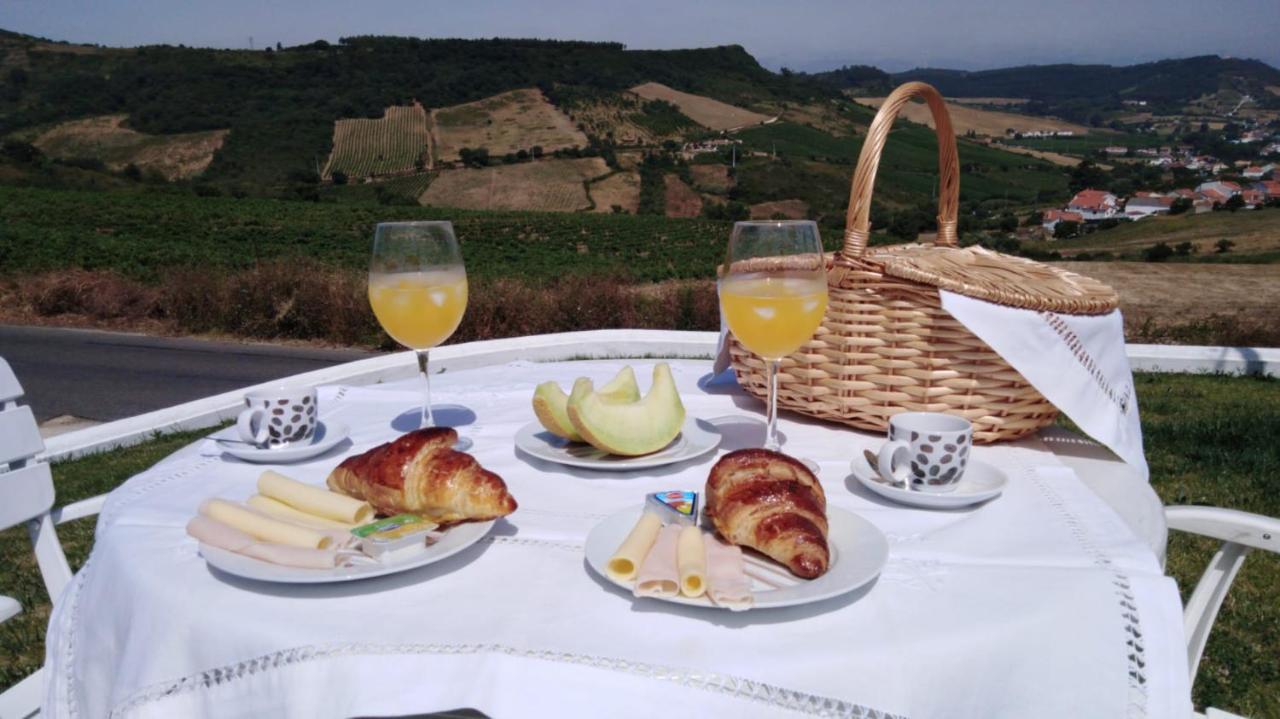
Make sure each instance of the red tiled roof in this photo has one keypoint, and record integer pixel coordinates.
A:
(1185, 192)
(1053, 215)
(1213, 194)
(1271, 187)
(1231, 185)
(1090, 199)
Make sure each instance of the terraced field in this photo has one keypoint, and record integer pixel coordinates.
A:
(398, 142)
(176, 157)
(509, 122)
(552, 185)
(983, 122)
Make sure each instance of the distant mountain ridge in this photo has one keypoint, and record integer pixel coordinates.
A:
(1166, 81)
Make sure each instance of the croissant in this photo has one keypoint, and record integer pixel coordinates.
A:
(772, 503)
(420, 473)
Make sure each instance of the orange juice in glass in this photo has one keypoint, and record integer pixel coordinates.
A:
(773, 296)
(418, 290)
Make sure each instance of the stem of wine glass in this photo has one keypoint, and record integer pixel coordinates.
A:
(427, 419)
(771, 431)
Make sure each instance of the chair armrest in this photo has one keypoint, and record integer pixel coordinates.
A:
(1229, 525)
(9, 608)
(78, 510)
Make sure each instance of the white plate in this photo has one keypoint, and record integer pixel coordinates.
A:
(858, 553)
(328, 435)
(979, 483)
(454, 540)
(696, 438)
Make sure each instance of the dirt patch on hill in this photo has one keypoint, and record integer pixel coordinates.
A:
(784, 209)
(104, 138)
(680, 199)
(1054, 157)
(509, 122)
(553, 185)
(621, 189)
(983, 122)
(711, 178)
(702, 110)
(1155, 297)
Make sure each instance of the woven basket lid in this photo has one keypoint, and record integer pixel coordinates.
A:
(994, 277)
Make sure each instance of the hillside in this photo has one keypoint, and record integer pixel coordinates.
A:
(1255, 234)
(280, 105)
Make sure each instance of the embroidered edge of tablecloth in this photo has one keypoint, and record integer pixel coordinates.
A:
(736, 687)
(1126, 607)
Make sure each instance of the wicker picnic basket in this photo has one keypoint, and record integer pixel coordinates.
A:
(887, 345)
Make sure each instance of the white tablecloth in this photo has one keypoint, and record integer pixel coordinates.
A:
(1042, 603)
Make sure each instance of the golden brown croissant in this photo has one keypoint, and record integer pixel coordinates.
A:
(773, 504)
(420, 473)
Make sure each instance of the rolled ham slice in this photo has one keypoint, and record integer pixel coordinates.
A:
(727, 582)
(659, 575)
(216, 534)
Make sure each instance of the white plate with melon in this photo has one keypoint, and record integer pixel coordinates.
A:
(613, 427)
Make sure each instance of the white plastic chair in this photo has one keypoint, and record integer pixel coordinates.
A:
(26, 496)
(1240, 533)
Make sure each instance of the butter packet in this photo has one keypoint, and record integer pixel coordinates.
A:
(394, 537)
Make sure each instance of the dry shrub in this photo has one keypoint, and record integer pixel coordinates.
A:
(100, 294)
(1238, 330)
(308, 301)
(297, 300)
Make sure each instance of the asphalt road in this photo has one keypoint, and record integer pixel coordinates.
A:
(103, 376)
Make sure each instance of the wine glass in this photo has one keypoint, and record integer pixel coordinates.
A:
(773, 295)
(418, 290)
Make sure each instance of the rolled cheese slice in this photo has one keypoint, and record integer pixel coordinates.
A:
(658, 575)
(275, 508)
(625, 562)
(691, 561)
(264, 528)
(314, 500)
(214, 533)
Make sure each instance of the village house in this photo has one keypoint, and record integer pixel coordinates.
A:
(1051, 219)
(1255, 172)
(1270, 188)
(1115, 150)
(1094, 204)
(1253, 199)
(1218, 190)
(1139, 207)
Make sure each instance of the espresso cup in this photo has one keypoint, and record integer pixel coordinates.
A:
(926, 451)
(278, 416)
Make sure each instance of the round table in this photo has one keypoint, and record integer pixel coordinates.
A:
(1027, 605)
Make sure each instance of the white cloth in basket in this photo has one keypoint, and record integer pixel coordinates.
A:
(1077, 362)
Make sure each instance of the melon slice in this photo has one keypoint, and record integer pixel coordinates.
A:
(550, 402)
(630, 428)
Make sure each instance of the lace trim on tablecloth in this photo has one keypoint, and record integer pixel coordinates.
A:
(73, 595)
(1126, 603)
(737, 687)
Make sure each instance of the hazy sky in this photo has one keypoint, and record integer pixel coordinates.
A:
(894, 34)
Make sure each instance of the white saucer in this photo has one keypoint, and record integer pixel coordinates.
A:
(979, 483)
(328, 435)
(696, 438)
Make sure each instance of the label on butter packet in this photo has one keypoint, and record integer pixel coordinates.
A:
(397, 527)
(675, 506)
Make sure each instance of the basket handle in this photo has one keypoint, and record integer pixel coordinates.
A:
(858, 220)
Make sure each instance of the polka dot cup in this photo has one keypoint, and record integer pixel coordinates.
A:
(278, 416)
(928, 451)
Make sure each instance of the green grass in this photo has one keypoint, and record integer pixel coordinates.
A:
(143, 235)
(908, 172)
(1088, 144)
(1255, 232)
(1210, 440)
(22, 638)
